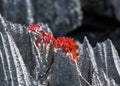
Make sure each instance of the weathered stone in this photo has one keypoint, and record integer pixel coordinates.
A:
(64, 72)
(96, 64)
(15, 71)
(58, 14)
(24, 64)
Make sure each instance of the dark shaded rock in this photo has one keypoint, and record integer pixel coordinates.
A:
(102, 7)
(116, 10)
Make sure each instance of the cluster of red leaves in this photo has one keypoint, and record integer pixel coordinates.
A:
(46, 37)
(33, 26)
(67, 44)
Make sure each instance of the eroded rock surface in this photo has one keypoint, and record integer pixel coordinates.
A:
(58, 14)
(24, 64)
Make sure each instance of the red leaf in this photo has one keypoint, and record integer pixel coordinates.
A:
(33, 26)
(42, 32)
(37, 41)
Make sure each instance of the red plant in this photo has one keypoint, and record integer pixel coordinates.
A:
(47, 37)
(37, 41)
(67, 44)
(42, 32)
(33, 26)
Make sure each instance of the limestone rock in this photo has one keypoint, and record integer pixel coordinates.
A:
(24, 64)
(58, 14)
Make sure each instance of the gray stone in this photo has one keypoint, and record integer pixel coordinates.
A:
(15, 72)
(58, 14)
(64, 72)
(100, 64)
(22, 63)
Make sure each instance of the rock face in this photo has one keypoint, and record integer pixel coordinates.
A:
(96, 64)
(13, 68)
(24, 64)
(59, 14)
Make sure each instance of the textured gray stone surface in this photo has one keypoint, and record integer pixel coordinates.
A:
(24, 64)
(64, 72)
(58, 14)
(101, 64)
